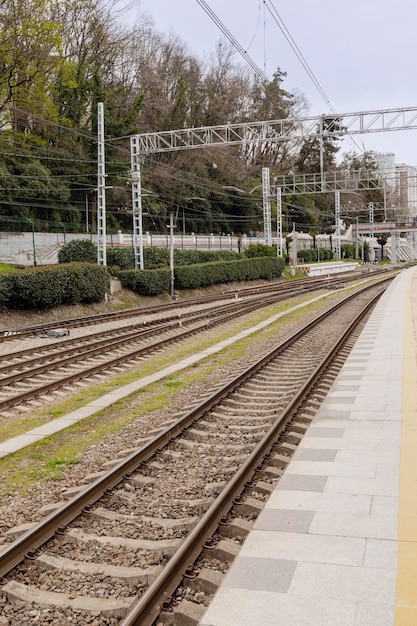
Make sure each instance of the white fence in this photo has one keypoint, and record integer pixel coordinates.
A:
(20, 248)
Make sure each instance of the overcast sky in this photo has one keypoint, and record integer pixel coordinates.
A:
(362, 52)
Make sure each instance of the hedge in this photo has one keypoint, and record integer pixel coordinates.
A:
(124, 259)
(146, 282)
(154, 282)
(155, 258)
(47, 287)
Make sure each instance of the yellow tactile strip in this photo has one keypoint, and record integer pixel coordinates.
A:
(406, 603)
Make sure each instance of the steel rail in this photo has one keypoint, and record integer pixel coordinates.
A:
(124, 334)
(185, 302)
(35, 537)
(296, 285)
(147, 608)
(67, 380)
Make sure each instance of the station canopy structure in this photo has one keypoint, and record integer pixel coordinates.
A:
(290, 129)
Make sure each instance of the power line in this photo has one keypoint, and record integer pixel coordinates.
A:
(283, 28)
(233, 41)
(281, 25)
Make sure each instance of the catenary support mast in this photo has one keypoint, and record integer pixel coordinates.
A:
(101, 191)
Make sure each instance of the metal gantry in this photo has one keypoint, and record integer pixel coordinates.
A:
(259, 133)
(277, 130)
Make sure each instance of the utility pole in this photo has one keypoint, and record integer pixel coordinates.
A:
(137, 206)
(357, 238)
(371, 232)
(171, 255)
(279, 222)
(294, 250)
(266, 193)
(101, 191)
(337, 220)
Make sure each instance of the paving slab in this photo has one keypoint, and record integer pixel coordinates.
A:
(339, 512)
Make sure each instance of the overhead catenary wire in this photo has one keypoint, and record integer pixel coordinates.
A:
(269, 5)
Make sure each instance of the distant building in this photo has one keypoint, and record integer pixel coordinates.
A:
(407, 190)
(385, 162)
(400, 185)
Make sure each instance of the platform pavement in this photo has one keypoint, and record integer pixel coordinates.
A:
(336, 544)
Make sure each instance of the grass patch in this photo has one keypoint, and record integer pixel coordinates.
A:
(175, 353)
(5, 269)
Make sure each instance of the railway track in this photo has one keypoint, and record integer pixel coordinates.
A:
(34, 373)
(288, 288)
(119, 549)
(22, 377)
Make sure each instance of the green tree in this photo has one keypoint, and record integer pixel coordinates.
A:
(30, 46)
(382, 239)
(321, 148)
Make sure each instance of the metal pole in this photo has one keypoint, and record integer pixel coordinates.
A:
(337, 219)
(136, 203)
(266, 192)
(321, 155)
(294, 244)
(33, 243)
(101, 191)
(171, 255)
(279, 222)
(86, 213)
(371, 232)
(357, 238)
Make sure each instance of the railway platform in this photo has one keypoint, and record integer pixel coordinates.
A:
(336, 544)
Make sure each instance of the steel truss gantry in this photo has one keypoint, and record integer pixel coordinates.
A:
(339, 180)
(275, 130)
(259, 132)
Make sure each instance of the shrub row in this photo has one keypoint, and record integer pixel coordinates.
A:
(47, 287)
(124, 258)
(203, 275)
(153, 258)
(154, 282)
(146, 282)
(315, 254)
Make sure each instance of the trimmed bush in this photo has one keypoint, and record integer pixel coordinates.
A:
(306, 255)
(121, 258)
(146, 282)
(154, 282)
(47, 287)
(78, 251)
(205, 274)
(190, 257)
(260, 250)
(348, 250)
(154, 258)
